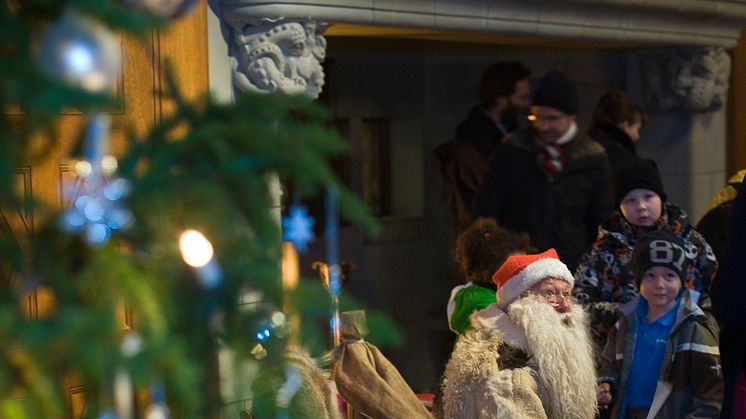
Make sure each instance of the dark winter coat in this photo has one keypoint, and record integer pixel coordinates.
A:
(715, 223)
(617, 144)
(690, 384)
(603, 280)
(561, 210)
(727, 296)
(728, 293)
(463, 162)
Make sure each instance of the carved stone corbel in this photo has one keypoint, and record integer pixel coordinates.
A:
(690, 79)
(278, 55)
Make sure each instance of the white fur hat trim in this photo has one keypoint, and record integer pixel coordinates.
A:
(530, 276)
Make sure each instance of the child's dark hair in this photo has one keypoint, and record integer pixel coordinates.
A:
(484, 246)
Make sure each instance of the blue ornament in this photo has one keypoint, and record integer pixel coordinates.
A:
(95, 196)
(263, 334)
(298, 227)
(94, 214)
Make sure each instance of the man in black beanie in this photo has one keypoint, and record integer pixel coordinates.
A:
(549, 179)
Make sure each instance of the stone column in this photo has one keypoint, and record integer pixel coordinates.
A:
(686, 89)
(267, 55)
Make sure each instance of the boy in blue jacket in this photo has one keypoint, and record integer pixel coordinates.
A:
(661, 360)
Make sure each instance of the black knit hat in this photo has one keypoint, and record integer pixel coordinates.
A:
(637, 173)
(556, 91)
(659, 248)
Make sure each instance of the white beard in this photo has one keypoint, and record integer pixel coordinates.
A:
(562, 348)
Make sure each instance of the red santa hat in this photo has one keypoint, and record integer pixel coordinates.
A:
(521, 272)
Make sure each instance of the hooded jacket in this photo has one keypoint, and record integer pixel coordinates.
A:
(690, 383)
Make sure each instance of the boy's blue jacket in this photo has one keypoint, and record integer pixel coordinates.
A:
(690, 383)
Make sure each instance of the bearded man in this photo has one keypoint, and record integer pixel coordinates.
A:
(528, 355)
(504, 99)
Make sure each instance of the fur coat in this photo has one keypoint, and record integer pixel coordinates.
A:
(490, 374)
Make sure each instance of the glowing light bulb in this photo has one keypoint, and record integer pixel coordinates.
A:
(78, 58)
(195, 248)
(83, 168)
(109, 164)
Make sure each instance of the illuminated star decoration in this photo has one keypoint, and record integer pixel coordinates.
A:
(297, 227)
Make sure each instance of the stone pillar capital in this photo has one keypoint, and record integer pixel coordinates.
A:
(277, 54)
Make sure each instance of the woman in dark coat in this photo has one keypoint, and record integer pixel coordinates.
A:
(727, 301)
(616, 126)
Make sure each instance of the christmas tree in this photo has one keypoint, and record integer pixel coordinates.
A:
(141, 277)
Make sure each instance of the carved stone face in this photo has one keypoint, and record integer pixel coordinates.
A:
(280, 57)
(692, 79)
(702, 80)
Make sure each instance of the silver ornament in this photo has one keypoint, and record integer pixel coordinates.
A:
(81, 52)
(164, 9)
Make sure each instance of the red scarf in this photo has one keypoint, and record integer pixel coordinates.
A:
(551, 157)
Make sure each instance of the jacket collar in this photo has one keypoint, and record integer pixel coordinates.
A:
(608, 134)
(686, 309)
(673, 219)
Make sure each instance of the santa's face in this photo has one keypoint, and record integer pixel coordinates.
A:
(556, 292)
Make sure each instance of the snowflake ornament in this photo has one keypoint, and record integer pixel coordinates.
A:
(95, 207)
(297, 227)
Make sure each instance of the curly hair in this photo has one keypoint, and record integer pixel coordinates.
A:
(484, 246)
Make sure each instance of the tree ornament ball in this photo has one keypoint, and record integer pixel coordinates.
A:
(164, 9)
(80, 51)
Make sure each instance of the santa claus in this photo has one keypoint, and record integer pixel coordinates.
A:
(529, 354)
